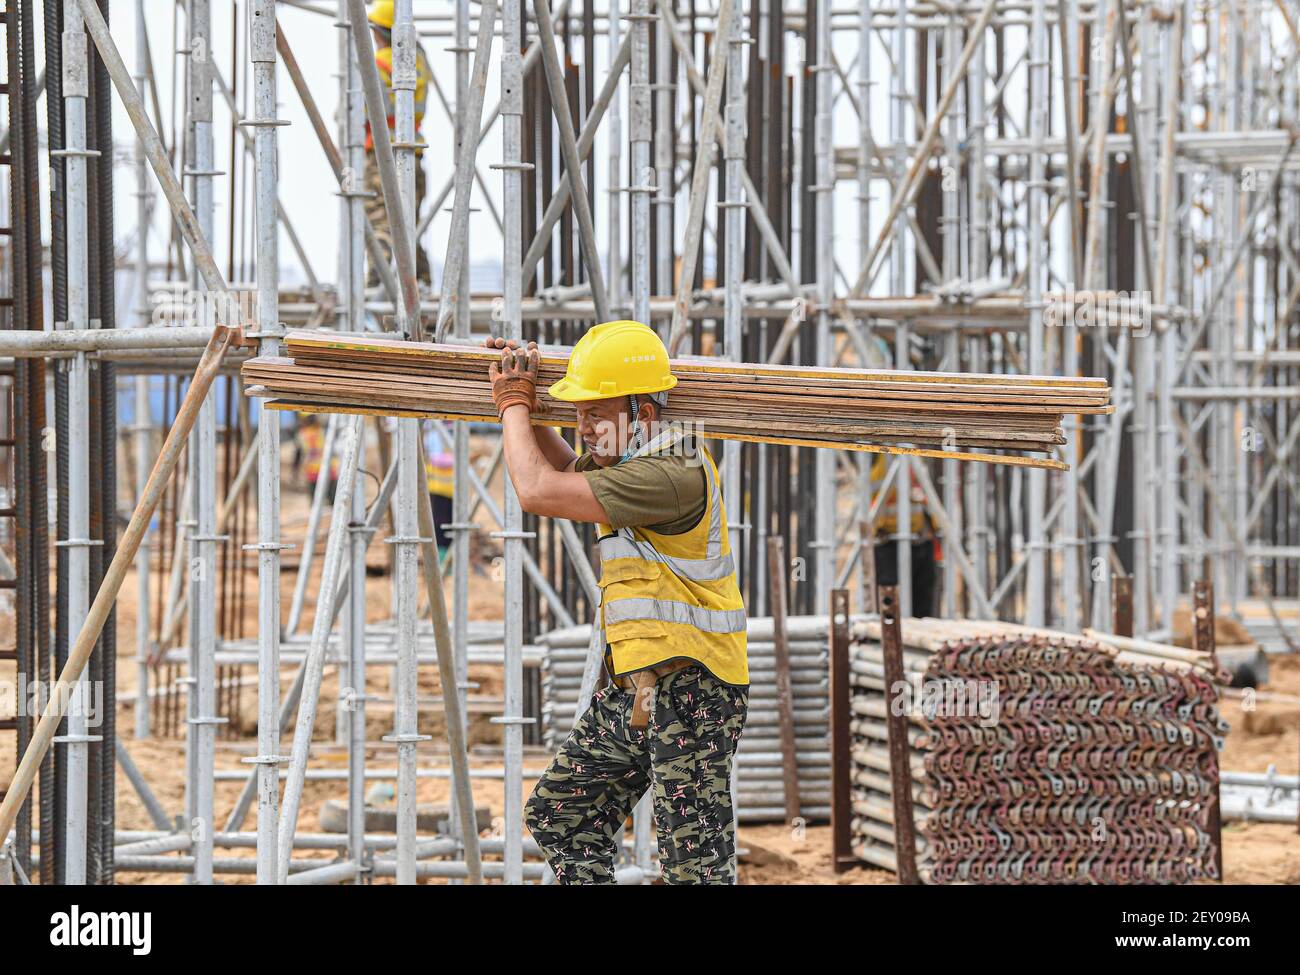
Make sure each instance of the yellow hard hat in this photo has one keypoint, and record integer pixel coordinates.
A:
(615, 359)
(381, 14)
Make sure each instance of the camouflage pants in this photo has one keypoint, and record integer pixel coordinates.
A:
(605, 766)
(378, 214)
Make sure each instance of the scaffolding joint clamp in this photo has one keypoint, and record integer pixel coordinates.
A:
(508, 535)
(266, 546)
(263, 123)
(264, 760)
(207, 720)
(76, 739)
(76, 153)
(406, 739)
(521, 167)
(406, 540)
(503, 719)
(78, 542)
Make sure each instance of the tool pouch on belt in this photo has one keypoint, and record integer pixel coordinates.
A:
(643, 697)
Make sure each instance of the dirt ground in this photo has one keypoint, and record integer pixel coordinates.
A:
(1264, 732)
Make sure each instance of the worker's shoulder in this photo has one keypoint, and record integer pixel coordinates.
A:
(684, 469)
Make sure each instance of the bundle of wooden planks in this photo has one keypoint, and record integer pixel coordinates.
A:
(952, 415)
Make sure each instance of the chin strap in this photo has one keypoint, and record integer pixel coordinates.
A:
(637, 438)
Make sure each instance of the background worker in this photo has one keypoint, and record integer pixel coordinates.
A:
(921, 537)
(673, 617)
(380, 16)
(309, 451)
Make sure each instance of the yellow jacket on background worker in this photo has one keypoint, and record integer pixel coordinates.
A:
(381, 21)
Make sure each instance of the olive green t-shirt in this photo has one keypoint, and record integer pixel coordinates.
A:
(665, 494)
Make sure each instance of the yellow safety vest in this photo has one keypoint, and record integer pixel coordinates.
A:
(440, 476)
(887, 518)
(423, 76)
(312, 439)
(664, 597)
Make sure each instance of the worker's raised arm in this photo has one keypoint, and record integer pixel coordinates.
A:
(542, 490)
(554, 448)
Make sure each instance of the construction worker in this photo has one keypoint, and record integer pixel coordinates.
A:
(380, 16)
(922, 539)
(673, 618)
(309, 451)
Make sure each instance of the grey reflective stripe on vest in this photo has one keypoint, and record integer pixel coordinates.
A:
(671, 611)
(714, 547)
(697, 570)
(714, 566)
(625, 545)
(670, 438)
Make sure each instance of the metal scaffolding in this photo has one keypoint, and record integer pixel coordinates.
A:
(1078, 187)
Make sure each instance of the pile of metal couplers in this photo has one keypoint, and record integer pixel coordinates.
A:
(1037, 756)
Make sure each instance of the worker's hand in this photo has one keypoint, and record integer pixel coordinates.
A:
(499, 343)
(514, 378)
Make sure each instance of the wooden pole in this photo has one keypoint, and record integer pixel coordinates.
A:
(462, 786)
(222, 339)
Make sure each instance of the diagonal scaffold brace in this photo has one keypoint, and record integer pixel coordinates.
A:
(223, 338)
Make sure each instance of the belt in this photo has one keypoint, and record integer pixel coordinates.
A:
(642, 684)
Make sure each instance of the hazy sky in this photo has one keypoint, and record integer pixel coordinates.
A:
(306, 185)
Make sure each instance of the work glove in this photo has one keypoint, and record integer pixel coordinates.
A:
(514, 378)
